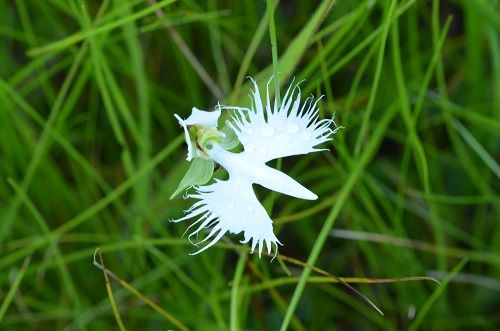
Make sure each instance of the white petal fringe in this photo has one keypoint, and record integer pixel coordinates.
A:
(230, 206)
(269, 133)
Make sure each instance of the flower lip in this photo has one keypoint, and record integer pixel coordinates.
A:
(243, 166)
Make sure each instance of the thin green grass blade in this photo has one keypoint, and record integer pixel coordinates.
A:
(345, 191)
(476, 146)
(14, 287)
(294, 52)
(82, 35)
(376, 80)
(43, 143)
(249, 54)
(435, 295)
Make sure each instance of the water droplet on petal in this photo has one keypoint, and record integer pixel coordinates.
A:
(267, 131)
(292, 128)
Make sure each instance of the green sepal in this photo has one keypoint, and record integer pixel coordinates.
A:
(199, 173)
(230, 140)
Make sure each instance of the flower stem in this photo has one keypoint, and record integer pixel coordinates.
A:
(274, 51)
(235, 293)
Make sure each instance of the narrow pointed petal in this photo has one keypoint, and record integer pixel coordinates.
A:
(276, 180)
(189, 144)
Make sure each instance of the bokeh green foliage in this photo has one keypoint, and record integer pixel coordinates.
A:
(90, 153)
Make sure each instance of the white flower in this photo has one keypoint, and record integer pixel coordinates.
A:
(266, 133)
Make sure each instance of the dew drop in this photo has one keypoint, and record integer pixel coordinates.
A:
(267, 131)
(292, 128)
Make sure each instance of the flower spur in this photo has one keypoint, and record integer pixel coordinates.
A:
(231, 206)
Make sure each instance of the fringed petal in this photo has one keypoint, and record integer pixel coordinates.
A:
(270, 133)
(231, 206)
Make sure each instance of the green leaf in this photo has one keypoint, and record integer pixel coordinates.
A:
(199, 173)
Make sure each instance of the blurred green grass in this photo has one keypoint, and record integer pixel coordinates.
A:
(90, 153)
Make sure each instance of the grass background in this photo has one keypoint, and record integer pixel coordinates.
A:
(90, 153)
